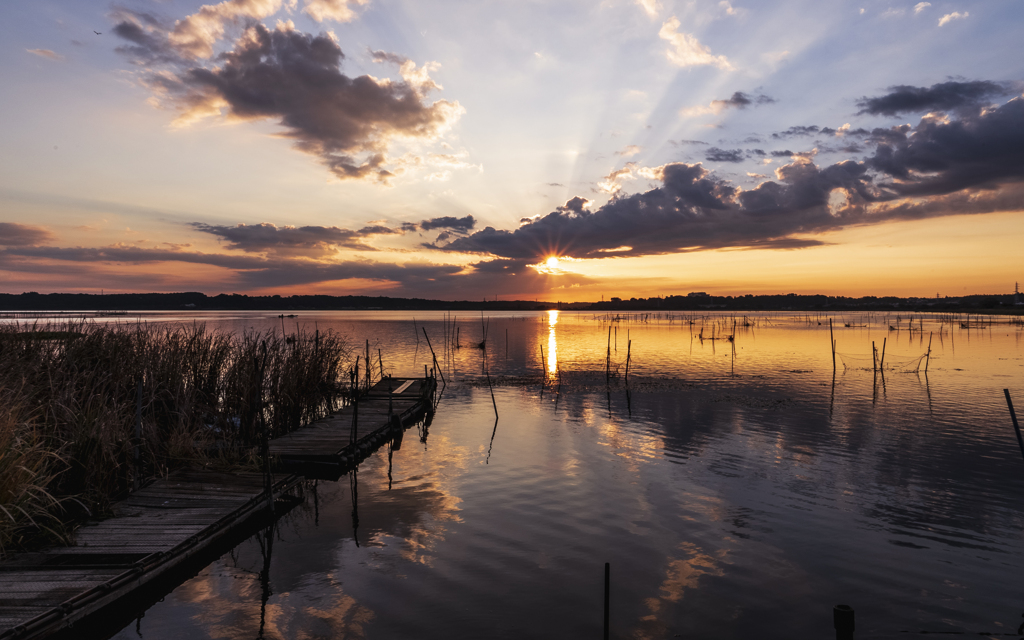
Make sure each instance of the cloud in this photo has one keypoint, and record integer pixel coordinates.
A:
(650, 7)
(981, 150)
(253, 273)
(449, 222)
(714, 154)
(347, 123)
(310, 241)
(738, 100)
(921, 6)
(196, 35)
(731, 10)
(611, 182)
(13, 234)
(686, 50)
(46, 53)
(629, 151)
(686, 142)
(941, 167)
(338, 10)
(949, 17)
(797, 131)
(938, 97)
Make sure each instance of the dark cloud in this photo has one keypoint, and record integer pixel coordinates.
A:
(147, 35)
(786, 153)
(740, 100)
(308, 240)
(810, 130)
(249, 273)
(686, 142)
(13, 234)
(980, 150)
(295, 78)
(968, 165)
(449, 222)
(945, 96)
(714, 154)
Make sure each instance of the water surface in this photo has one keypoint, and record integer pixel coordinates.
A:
(738, 488)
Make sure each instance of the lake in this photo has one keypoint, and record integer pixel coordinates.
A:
(738, 487)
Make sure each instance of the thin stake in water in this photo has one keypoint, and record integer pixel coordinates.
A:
(1013, 417)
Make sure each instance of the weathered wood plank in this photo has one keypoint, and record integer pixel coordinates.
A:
(154, 530)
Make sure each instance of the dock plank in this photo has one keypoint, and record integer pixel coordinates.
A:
(347, 436)
(153, 531)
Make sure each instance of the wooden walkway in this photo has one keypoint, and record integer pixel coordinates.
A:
(331, 446)
(160, 527)
(154, 531)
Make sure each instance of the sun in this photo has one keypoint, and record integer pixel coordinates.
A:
(552, 262)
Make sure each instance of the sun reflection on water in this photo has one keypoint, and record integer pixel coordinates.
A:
(552, 343)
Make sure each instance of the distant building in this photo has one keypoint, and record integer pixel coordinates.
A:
(697, 294)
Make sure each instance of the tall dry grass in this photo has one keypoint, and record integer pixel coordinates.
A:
(27, 468)
(199, 395)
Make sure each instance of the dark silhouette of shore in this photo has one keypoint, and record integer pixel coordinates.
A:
(194, 301)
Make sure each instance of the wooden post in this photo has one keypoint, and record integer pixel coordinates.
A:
(608, 357)
(874, 357)
(380, 361)
(493, 402)
(843, 621)
(607, 594)
(138, 436)
(881, 364)
(368, 367)
(1013, 417)
(355, 402)
(629, 347)
(436, 367)
(832, 339)
(928, 357)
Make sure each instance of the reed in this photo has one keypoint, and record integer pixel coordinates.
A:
(114, 405)
(27, 469)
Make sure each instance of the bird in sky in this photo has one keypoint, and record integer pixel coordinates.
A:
(99, 33)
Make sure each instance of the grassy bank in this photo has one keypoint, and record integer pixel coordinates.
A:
(89, 411)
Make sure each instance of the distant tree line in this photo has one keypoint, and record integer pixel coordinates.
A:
(694, 302)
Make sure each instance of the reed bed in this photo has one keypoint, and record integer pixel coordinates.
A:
(90, 411)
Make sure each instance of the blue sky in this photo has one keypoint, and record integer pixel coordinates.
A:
(333, 147)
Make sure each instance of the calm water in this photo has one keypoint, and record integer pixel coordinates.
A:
(738, 489)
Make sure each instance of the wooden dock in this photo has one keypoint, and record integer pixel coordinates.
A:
(161, 527)
(156, 530)
(331, 446)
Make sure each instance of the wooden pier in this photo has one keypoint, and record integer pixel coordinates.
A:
(331, 446)
(156, 530)
(159, 528)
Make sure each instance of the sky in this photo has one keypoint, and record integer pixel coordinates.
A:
(557, 150)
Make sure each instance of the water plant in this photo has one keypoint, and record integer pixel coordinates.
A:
(101, 408)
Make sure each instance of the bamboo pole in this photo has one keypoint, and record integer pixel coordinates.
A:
(493, 402)
(1013, 417)
(928, 357)
(874, 357)
(436, 367)
(608, 357)
(832, 339)
(629, 347)
(881, 365)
